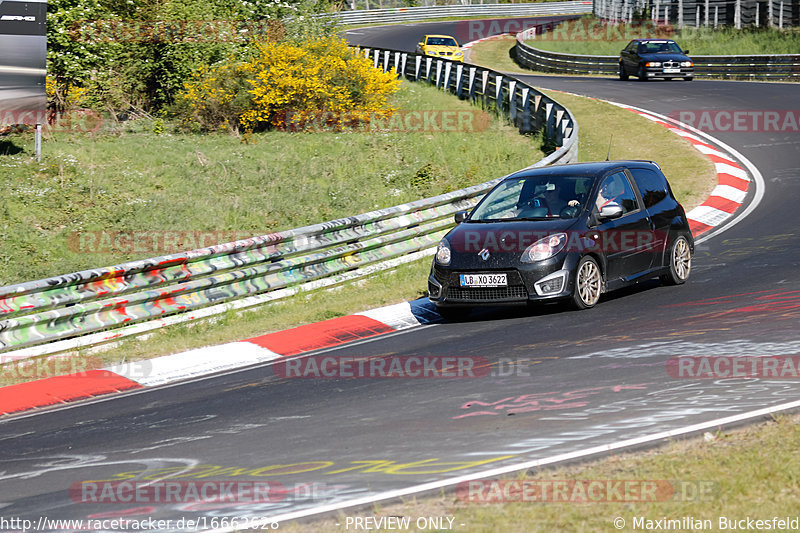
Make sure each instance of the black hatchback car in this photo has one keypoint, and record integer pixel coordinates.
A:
(563, 232)
(655, 58)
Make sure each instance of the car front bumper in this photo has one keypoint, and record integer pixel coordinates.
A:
(551, 279)
(658, 72)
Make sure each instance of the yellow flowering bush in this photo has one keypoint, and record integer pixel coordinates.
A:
(288, 85)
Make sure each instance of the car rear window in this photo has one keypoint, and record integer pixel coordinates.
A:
(652, 185)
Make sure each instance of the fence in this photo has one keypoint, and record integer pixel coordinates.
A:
(122, 296)
(731, 67)
(409, 14)
(708, 13)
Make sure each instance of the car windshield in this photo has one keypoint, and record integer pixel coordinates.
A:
(659, 47)
(441, 41)
(534, 197)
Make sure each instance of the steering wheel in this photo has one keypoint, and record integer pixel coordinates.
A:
(569, 212)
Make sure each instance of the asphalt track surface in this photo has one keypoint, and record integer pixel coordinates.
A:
(580, 379)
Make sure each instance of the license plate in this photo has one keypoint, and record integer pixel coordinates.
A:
(483, 280)
(672, 70)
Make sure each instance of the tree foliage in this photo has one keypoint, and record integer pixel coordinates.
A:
(137, 54)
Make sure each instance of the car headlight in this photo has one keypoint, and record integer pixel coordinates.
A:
(687, 64)
(544, 248)
(443, 253)
(652, 64)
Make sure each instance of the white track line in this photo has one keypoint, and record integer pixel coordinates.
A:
(527, 465)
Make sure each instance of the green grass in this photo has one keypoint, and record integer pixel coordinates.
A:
(748, 472)
(128, 179)
(494, 54)
(582, 37)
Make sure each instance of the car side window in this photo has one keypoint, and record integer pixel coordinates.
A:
(652, 186)
(616, 190)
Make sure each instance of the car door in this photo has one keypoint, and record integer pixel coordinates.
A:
(626, 241)
(630, 58)
(662, 208)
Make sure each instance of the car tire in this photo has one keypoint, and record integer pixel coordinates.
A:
(680, 263)
(641, 74)
(688, 78)
(454, 314)
(588, 283)
(623, 74)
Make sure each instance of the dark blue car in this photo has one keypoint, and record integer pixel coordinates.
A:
(655, 58)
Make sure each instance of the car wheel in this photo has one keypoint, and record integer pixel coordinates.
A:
(454, 314)
(641, 74)
(680, 263)
(689, 78)
(588, 283)
(623, 74)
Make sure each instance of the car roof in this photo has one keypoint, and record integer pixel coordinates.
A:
(642, 40)
(583, 169)
(440, 35)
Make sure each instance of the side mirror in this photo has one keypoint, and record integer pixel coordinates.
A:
(460, 216)
(686, 52)
(610, 212)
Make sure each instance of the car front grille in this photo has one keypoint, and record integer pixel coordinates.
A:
(671, 64)
(486, 294)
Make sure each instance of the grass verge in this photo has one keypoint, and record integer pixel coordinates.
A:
(494, 54)
(746, 472)
(134, 180)
(587, 36)
(691, 175)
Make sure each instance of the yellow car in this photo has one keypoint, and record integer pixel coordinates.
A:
(440, 46)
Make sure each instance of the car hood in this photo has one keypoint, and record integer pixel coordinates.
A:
(665, 57)
(504, 241)
(439, 49)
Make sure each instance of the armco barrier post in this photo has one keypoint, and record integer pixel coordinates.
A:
(498, 90)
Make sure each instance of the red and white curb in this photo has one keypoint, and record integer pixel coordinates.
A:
(733, 181)
(211, 359)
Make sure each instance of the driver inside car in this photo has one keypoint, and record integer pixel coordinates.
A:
(609, 193)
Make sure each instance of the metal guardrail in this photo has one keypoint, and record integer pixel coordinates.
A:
(732, 67)
(410, 14)
(79, 303)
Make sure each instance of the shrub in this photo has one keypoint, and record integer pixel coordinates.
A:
(289, 85)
